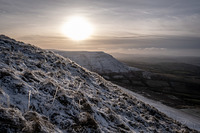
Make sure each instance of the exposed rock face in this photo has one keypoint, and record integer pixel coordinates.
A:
(41, 91)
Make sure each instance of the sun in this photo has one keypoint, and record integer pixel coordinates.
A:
(78, 28)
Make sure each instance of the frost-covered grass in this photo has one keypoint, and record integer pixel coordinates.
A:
(82, 100)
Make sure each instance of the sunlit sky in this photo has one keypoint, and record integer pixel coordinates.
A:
(167, 27)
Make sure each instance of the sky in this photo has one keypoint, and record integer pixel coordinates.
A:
(157, 27)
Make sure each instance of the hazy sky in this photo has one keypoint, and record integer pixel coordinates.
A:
(170, 27)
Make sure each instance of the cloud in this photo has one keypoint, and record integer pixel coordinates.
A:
(136, 16)
(137, 44)
(156, 51)
(120, 24)
(162, 41)
(142, 51)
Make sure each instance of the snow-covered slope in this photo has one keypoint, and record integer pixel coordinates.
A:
(41, 91)
(191, 121)
(99, 62)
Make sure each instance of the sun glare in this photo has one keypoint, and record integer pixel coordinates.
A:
(78, 28)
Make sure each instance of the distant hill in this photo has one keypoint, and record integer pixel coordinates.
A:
(173, 90)
(99, 62)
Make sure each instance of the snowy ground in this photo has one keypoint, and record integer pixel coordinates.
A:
(183, 116)
(41, 91)
(99, 62)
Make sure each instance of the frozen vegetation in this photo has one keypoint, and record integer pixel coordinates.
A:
(41, 91)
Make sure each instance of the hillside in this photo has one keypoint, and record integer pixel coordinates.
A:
(41, 91)
(99, 62)
(156, 82)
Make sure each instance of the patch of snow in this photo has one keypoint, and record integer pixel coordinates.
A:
(179, 115)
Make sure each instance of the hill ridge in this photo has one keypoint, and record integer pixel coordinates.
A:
(97, 61)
